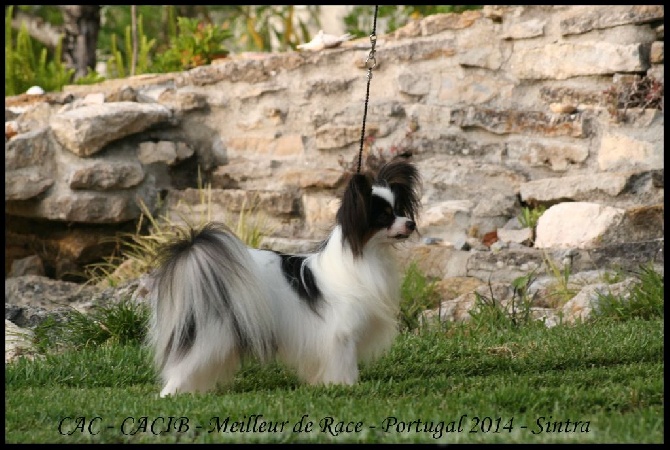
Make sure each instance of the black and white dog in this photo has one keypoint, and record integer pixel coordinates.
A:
(216, 301)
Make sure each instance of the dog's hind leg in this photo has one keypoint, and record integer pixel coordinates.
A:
(191, 375)
(177, 380)
(182, 378)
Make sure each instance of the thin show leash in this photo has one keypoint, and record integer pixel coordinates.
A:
(370, 63)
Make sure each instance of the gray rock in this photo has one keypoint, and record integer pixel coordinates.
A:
(43, 292)
(567, 60)
(30, 265)
(103, 176)
(582, 19)
(18, 342)
(86, 130)
(31, 316)
(24, 184)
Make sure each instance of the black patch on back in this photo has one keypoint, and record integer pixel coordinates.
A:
(301, 279)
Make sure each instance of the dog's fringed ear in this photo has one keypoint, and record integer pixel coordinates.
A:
(404, 180)
(353, 213)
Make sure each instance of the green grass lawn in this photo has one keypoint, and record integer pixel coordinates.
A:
(462, 384)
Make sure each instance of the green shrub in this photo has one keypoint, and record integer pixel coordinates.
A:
(562, 289)
(196, 44)
(257, 26)
(25, 67)
(645, 299)
(489, 313)
(529, 216)
(418, 293)
(118, 65)
(121, 323)
(91, 77)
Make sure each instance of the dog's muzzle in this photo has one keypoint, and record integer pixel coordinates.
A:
(407, 229)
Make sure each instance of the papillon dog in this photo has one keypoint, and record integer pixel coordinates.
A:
(215, 301)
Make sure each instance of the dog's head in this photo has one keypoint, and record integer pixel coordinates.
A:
(381, 208)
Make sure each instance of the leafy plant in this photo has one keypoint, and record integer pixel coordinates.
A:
(269, 27)
(118, 65)
(53, 75)
(615, 275)
(91, 77)
(489, 313)
(562, 289)
(196, 44)
(115, 65)
(25, 67)
(252, 27)
(10, 71)
(645, 300)
(529, 216)
(521, 309)
(118, 323)
(144, 47)
(418, 293)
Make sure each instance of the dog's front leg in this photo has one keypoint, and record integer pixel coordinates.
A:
(340, 364)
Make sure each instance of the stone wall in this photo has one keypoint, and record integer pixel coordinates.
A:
(499, 108)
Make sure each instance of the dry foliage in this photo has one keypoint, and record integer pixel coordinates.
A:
(643, 92)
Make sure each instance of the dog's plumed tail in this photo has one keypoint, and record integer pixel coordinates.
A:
(207, 302)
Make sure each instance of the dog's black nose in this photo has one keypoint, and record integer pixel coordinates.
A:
(410, 225)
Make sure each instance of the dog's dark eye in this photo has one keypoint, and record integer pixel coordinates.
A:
(386, 217)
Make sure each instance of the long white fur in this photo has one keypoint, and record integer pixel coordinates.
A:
(355, 320)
